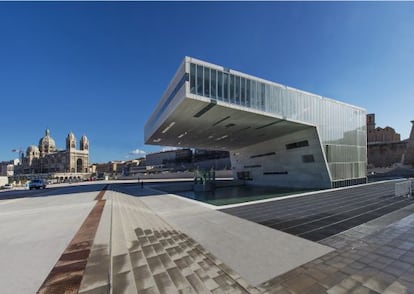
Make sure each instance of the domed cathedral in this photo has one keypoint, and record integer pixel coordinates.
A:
(46, 159)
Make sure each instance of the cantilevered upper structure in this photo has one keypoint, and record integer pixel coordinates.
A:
(276, 135)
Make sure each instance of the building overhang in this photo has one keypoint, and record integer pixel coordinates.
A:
(216, 125)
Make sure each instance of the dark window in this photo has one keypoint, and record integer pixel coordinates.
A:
(219, 85)
(213, 84)
(244, 175)
(206, 82)
(243, 91)
(297, 144)
(232, 88)
(248, 94)
(308, 158)
(199, 80)
(192, 78)
(262, 155)
(276, 173)
(252, 166)
(226, 83)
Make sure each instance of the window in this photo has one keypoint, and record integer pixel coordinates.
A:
(248, 94)
(276, 173)
(242, 90)
(252, 166)
(206, 82)
(226, 86)
(213, 79)
(237, 90)
(262, 155)
(232, 87)
(192, 78)
(200, 90)
(219, 85)
(297, 145)
(308, 158)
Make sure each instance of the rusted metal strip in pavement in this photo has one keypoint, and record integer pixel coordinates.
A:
(66, 275)
(101, 193)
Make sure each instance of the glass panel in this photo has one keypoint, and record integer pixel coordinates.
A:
(243, 91)
(192, 78)
(200, 83)
(226, 87)
(213, 89)
(220, 85)
(237, 90)
(206, 82)
(248, 83)
(253, 101)
(232, 85)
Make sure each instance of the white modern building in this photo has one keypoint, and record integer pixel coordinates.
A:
(276, 135)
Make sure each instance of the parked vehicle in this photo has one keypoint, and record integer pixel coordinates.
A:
(37, 184)
(8, 186)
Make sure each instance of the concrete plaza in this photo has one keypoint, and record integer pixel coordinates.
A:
(151, 242)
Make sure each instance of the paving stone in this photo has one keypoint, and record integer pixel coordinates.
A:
(376, 284)
(137, 258)
(159, 249)
(396, 288)
(299, 284)
(151, 290)
(166, 260)
(119, 263)
(122, 283)
(195, 282)
(148, 251)
(178, 279)
(155, 265)
(363, 290)
(333, 279)
(143, 277)
(164, 284)
(350, 283)
(337, 289)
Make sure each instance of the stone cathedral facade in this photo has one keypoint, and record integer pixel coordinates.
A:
(45, 158)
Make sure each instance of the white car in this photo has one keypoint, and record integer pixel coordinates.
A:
(37, 184)
(8, 186)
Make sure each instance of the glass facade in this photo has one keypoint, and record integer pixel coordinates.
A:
(342, 127)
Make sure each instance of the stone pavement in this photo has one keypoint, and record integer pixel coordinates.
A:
(256, 252)
(150, 255)
(377, 257)
(138, 249)
(33, 234)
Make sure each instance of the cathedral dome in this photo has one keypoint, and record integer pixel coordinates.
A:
(47, 144)
(32, 150)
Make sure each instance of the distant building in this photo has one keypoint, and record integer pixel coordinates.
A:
(111, 168)
(119, 168)
(385, 148)
(7, 167)
(168, 159)
(46, 160)
(378, 134)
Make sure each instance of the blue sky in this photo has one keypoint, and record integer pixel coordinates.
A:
(100, 68)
